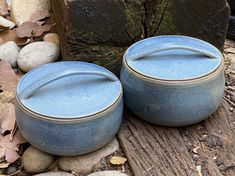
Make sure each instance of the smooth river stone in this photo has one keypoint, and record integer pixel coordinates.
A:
(36, 161)
(9, 53)
(36, 54)
(22, 10)
(84, 164)
(52, 37)
(54, 174)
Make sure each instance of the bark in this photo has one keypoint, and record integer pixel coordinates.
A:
(153, 150)
(99, 31)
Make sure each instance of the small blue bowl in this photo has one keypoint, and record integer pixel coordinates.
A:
(69, 108)
(173, 80)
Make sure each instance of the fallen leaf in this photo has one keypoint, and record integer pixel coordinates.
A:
(8, 78)
(9, 143)
(10, 35)
(199, 170)
(29, 29)
(3, 7)
(39, 15)
(8, 118)
(1, 41)
(52, 37)
(117, 160)
(4, 165)
(7, 96)
(2, 152)
(11, 155)
(11, 147)
(195, 150)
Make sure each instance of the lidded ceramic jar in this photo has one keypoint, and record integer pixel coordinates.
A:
(69, 108)
(173, 80)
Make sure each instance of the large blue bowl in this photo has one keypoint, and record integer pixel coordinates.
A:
(173, 80)
(69, 108)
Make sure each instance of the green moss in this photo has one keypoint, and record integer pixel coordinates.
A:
(134, 21)
(166, 26)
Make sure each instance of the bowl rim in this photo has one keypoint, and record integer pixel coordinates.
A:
(173, 82)
(87, 118)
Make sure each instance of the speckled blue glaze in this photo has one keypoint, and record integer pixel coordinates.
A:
(174, 97)
(69, 108)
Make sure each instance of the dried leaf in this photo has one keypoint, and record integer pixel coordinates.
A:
(39, 15)
(11, 155)
(2, 152)
(1, 41)
(6, 97)
(8, 78)
(8, 144)
(29, 29)
(10, 35)
(3, 7)
(199, 170)
(195, 150)
(11, 148)
(52, 37)
(117, 160)
(8, 118)
(4, 165)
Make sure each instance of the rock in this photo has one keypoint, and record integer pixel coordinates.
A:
(36, 161)
(6, 23)
(36, 54)
(51, 37)
(108, 173)
(55, 174)
(11, 170)
(84, 164)
(9, 53)
(22, 10)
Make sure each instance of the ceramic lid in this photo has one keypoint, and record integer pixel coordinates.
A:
(173, 58)
(68, 89)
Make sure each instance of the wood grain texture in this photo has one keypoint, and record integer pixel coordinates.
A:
(99, 31)
(156, 151)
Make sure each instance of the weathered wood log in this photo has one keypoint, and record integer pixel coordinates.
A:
(99, 31)
(153, 150)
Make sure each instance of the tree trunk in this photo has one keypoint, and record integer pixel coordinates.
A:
(100, 31)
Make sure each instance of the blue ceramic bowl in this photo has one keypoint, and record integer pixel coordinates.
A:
(173, 80)
(69, 108)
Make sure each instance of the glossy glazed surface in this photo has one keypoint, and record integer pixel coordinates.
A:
(69, 138)
(173, 102)
(173, 58)
(69, 108)
(172, 105)
(72, 96)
